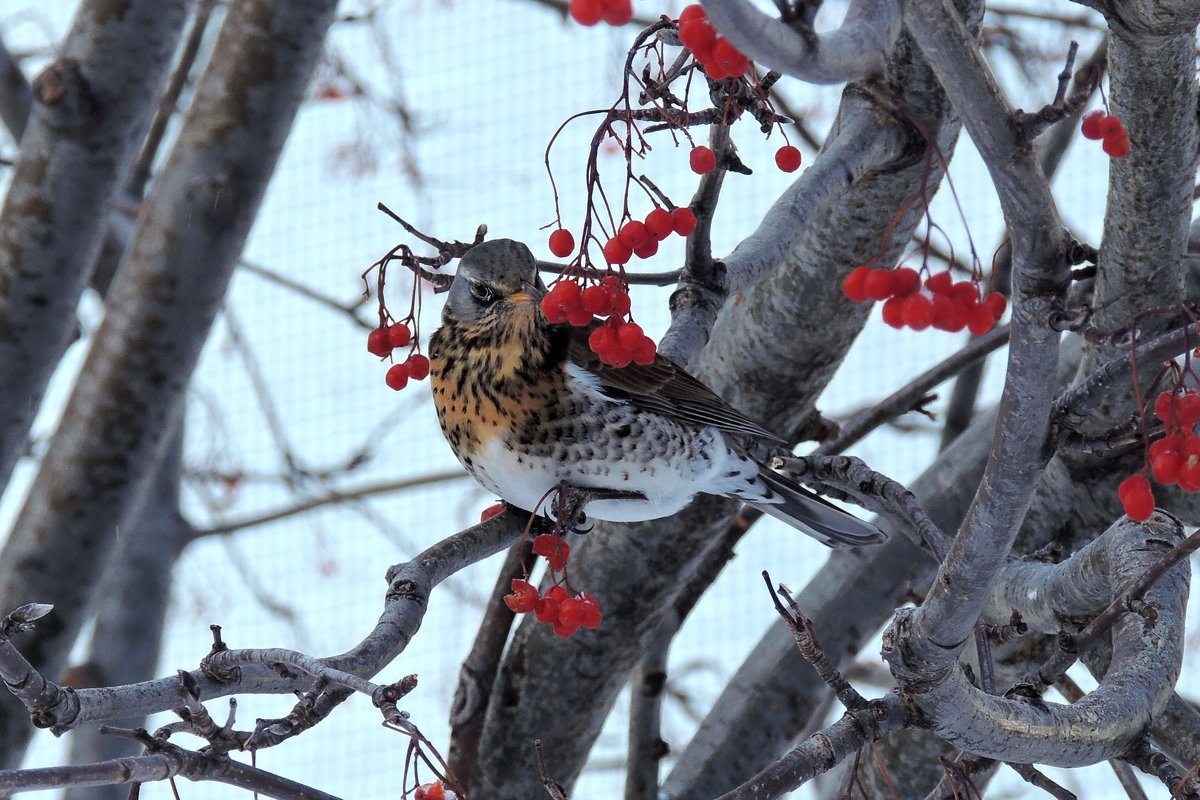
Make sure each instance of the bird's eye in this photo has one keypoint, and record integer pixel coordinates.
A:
(482, 293)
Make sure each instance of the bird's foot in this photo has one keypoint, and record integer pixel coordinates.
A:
(569, 503)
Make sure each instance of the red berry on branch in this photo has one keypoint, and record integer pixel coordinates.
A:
(1111, 126)
(684, 221)
(694, 11)
(698, 36)
(855, 284)
(616, 251)
(647, 249)
(586, 12)
(917, 312)
(570, 613)
(378, 344)
(553, 549)
(645, 351)
(1164, 407)
(1187, 409)
(996, 303)
(618, 12)
(1136, 497)
(602, 341)
(1090, 126)
(397, 377)
(702, 160)
(562, 242)
(399, 335)
(634, 234)
(940, 283)
(980, 320)
(1167, 467)
(787, 158)
(1116, 147)
(591, 612)
(629, 335)
(905, 281)
(659, 223)
(491, 511)
(418, 367)
(579, 317)
(893, 312)
(879, 284)
(524, 597)
(598, 300)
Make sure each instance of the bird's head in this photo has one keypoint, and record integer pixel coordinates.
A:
(494, 278)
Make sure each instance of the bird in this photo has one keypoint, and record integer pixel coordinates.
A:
(527, 408)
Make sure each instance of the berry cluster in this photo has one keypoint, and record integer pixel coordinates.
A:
(719, 58)
(1174, 459)
(617, 341)
(1100, 124)
(386, 338)
(589, 12)
(637, 238)
(433, 791)
(558, 608)
(938, 302)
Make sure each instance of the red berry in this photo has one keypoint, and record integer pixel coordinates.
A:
(995, 303)
(547, 610)
(684, 221)
(1138, 499)
(946, 314)
(698, 36)
(1111, 126)
(562, 242)
(629, 335)
(397, 377)
(729, 58)
(616, 251)
(647, 249)
(591, 611)
(702, 160)
(430, 791)
(787, 158)
(378, 344)
(634, 234)
(1167, 467)
(491, 511)
(645, 352)
(597, 300)
(1164, 406)
(553, 549)
(399, 335)
(602, 340)
(621, 303)
(618, 12)
(917, 312)
(1090, 127)
(565, 631)
(940, 283)
(570, 612)
(905, 281)
(1135, 482)
(524, 597)
(1187, 409)
(694, 11)
(659, 223)
(1189, 474)
(965, 289)
(879, 284)
(855, 284)
(586, 12)
(579, 317)
(980, 320)
(893, 312)
(418, 367)
(1117, 147)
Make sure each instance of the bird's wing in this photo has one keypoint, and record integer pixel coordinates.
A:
(662, 388)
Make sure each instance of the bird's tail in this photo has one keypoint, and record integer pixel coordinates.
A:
(810, 513)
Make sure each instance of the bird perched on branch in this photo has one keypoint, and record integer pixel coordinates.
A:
(527, 407)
